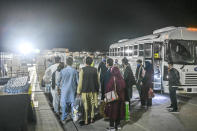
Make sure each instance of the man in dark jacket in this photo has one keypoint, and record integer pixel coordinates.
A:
(139, 76)
(129, 79)
(107, 76)
(174, 81)
(88, 87)
(102, 70)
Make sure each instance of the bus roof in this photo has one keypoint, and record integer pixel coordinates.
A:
(167, 33)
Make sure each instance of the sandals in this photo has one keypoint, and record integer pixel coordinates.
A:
(92, 120)
(86, 123)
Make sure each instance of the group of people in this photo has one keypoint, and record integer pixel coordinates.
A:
(69, 84)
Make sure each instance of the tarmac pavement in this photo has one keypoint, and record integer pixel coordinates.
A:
(156, 118)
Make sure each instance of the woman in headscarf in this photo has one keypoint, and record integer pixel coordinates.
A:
(116, 110)
(147, 84)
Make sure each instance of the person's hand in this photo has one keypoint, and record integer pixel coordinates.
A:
(78, 95)
(105, 100)
(58, 91)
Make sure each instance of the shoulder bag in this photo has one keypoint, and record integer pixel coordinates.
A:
(112, 95)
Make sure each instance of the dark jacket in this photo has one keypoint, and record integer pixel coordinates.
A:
(90, 80)
(138, 74)
(129, 77)
(174, 77)
(102, 69)
(107, 77)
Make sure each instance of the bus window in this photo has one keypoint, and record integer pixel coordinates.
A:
(147, 50)
(126, 51)
(130, 50)
(166, 52)
(110, 52)
(196, 54)
(135, 50)
(118, 53)
(141, 49)
(141, 46)
(115, 51)
(157, 49)
(141, 53)
(121, 51)
(196, 51)
(182, 51)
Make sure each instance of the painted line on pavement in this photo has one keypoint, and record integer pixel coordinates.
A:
(141, 126)
(188, 103)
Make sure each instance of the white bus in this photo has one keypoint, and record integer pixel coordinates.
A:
(176, 44)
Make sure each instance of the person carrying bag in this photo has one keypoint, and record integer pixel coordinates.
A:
(112, 95)
(115, 98)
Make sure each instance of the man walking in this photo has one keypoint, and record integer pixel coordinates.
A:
(88, 88)
(139, 76)
(107, 76)
(68, 81)
(174, 81)
(55, 79)
(102, 70)
(129, 79)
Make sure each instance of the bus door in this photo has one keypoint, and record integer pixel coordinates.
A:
(157, 65)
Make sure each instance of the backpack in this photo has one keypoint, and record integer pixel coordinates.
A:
(53, 80)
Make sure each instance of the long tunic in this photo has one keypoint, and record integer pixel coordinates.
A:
(116, 110)
(68, 81)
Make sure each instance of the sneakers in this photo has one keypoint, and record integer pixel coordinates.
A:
(173, 111)
(119, 128)
(110, 129)
(169, 106)
(63, 122)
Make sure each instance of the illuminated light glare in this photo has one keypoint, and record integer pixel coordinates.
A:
(37, 51)
(157, 76)
(167, 76)
(128, 51)
(25, 48)
(158, 97)
(192, 29)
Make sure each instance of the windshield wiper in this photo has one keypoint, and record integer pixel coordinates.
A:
(182, 66)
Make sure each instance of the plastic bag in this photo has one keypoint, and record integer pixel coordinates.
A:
(78, 109)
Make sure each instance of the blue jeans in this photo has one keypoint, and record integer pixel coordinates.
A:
(65, 108)
(47, 88)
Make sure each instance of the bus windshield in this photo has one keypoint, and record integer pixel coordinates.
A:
(182, 52)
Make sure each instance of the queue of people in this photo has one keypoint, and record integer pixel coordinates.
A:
(86, 83)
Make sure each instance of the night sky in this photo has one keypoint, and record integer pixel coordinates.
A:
(87, 25)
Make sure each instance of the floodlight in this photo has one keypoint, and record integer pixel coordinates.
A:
(25, 48)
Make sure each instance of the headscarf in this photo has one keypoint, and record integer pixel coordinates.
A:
(116, 72)
(120, 83)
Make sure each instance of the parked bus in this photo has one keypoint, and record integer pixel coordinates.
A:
(175, 44)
